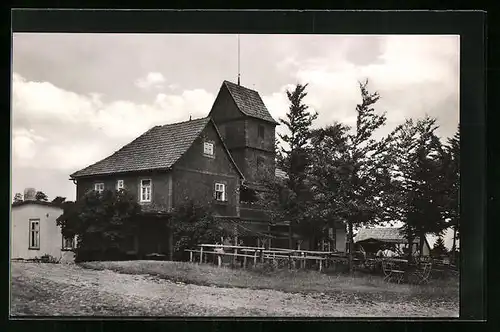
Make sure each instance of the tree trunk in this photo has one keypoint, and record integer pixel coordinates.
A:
(351, 248)
(421, 244)
(170, 244)
(454, 245)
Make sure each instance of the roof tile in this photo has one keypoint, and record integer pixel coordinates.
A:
(158, 148)
(249, 102)
(387, 234)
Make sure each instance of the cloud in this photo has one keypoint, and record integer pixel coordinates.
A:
(59, 129)
(152, 80)
(414, 75)
(24, 143)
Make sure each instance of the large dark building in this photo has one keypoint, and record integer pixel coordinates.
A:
(220, 159)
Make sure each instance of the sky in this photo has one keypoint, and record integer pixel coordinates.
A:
(77, 98)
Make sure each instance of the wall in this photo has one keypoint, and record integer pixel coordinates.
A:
(224, 107)
(253, 139)
(194, 175)
(254, 173)
(50, 233)
(160, 186)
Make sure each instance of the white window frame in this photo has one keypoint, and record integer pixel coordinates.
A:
(99, 187)
(120, 184)
(209, 148)
(73, 243)
(36, 244)
(150, 194)
(220, 187)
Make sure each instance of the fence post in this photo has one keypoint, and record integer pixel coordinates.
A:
(255, 258)
(201, 255)
(245, 261)
(190, 256)
(219, 260)
(303, 263)
(320, 264)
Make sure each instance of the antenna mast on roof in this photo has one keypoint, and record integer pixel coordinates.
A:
(238, 59)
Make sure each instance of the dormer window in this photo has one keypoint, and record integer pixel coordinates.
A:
(119, 185)
(208, 148)
(261, 131)
(99, 187)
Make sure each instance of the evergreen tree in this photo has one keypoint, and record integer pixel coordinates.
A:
(59, 200)
(418, 198)
(451, 157)
(18, 197)
(295, 160)
(439, 248)
(41, 196)
(350, 170)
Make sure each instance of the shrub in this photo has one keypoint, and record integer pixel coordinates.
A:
(49, 259)
(102, 221)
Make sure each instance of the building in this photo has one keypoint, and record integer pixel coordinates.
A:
(371, 239)
(220, 159)
(34, 232)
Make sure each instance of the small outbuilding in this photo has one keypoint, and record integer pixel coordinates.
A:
(34, 232)
(372, 239)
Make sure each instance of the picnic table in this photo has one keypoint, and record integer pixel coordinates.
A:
(399, 270)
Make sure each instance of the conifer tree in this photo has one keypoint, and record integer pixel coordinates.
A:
(18, 197)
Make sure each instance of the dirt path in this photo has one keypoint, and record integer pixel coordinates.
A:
(56, 289)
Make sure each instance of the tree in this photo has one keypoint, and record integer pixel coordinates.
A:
(59, 200)
(295, 158)
(418, 198)
(41, 196)
(18, 197)
(439, 248)
(102, 221)
(451, 157)
(350, 170)
(193, 224)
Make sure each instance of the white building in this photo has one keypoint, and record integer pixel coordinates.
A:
(34, 232)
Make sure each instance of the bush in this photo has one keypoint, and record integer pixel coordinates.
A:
(47, 259)
(102, 221)
(194, 224)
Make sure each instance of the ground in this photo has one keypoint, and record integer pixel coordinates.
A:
(59, 289)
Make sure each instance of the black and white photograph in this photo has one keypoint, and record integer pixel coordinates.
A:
(235, 175)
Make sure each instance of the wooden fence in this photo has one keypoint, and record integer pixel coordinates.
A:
(255, 255)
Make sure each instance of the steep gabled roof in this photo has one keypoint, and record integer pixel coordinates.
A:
(158, 148)
(249, 102)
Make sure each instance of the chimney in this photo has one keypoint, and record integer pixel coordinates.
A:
(29, 194)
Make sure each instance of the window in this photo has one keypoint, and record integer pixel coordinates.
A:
(68, 243)
(119, 185)
(145, 190)
(99, 187)
(208, 148)
(34, 234)
(220, 192)
(261, 131)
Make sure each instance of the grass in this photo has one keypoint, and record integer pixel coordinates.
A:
(361, 288)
